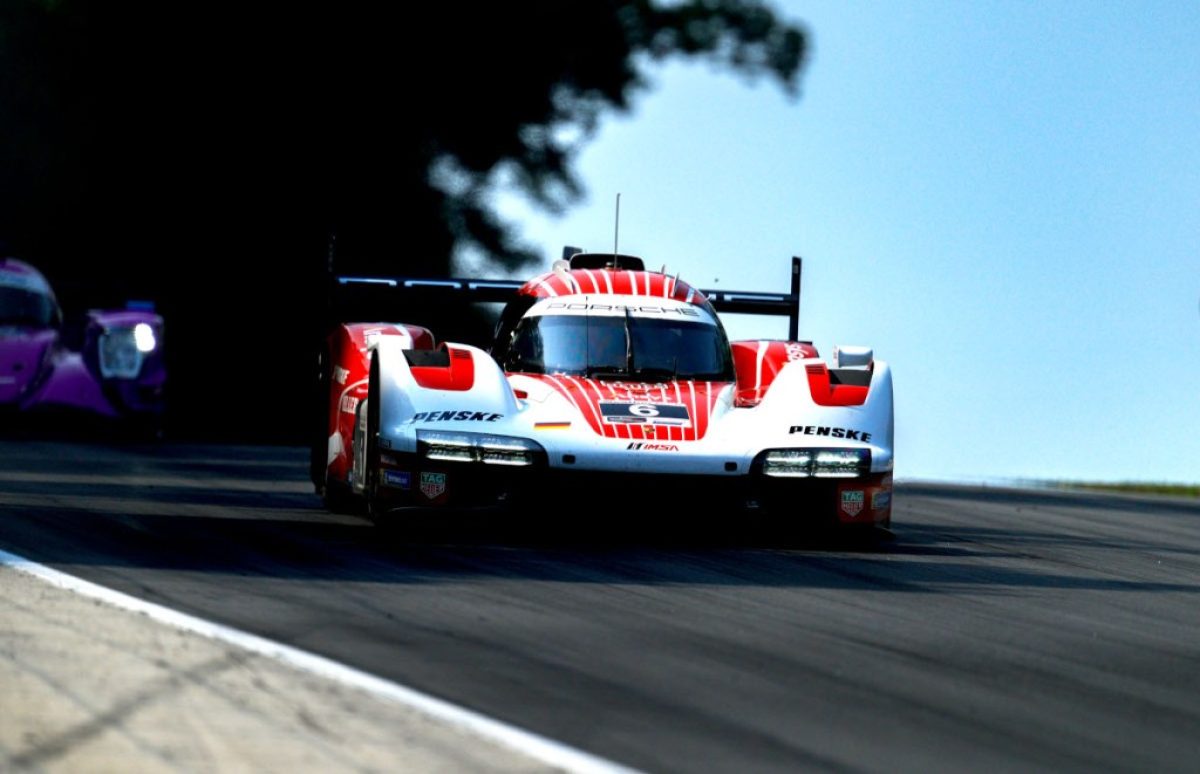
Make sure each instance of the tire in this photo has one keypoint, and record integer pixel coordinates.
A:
(319, 438)
(371, 447)
(338, 498)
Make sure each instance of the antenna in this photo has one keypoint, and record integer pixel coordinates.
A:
(616, 229)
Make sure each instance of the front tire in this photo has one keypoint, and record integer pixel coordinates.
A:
(370, 444)
(338, 498)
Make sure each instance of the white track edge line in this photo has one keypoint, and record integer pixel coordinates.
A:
(540, 748)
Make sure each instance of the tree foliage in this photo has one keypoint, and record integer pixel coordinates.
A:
(139, 124)
(201, 152)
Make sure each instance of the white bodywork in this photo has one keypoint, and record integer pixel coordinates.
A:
(786, 418)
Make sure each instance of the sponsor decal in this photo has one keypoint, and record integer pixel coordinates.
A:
(643, 389)
(880, 500)
(400, 479)
(698, 399)
(640, 446)
(668, 414)
(832, 432)
(794, 351)
(689, 311)
(349, 404)
(456, 416)
(433, 485)
(551, 425)
(340, 374)
(852, 502)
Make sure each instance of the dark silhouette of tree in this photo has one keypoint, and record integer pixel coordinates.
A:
(201, 153)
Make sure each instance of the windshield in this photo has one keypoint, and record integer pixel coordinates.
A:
(23, 307)
(622, 347)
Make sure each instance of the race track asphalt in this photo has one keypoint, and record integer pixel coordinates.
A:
(1000, 629)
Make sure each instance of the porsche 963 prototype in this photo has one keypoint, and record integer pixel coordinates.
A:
(604, 377)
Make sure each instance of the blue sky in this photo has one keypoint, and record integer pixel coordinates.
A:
(1003, 199)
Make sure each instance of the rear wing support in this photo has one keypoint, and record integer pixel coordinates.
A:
(773, 304)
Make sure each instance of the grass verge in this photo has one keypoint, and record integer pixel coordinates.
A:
(1134, 487)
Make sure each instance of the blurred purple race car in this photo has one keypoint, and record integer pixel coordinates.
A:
(115, 370)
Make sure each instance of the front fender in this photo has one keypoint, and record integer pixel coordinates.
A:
(790, 403)
(405, 405)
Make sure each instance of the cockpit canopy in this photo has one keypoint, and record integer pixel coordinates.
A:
(22, 307)
(24, 302)
(604, 337)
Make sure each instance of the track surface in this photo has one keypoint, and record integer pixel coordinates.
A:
(999, 630)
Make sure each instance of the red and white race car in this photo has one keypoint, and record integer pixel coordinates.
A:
(603, 372)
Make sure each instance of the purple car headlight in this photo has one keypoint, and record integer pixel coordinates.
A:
(144, 338)
(123, 349)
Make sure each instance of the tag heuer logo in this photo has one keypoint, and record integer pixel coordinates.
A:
(433, 485)
(852, 502)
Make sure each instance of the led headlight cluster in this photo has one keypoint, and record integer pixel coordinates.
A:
(817, 463)
(122, 350)
(476, 447)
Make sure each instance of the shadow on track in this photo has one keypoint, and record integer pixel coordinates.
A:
(248, 511)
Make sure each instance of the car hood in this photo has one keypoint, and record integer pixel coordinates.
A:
(22, 352)
(668, 411)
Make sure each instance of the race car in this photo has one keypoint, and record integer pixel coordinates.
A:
(115, 369)
(604, 379)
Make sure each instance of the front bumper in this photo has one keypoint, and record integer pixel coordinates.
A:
(407, 480)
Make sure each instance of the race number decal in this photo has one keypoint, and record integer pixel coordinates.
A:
(662, 414)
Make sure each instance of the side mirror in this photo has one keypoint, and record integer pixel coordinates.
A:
(853, 357)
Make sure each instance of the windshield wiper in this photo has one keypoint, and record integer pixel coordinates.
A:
(628, 342)
(611, 371)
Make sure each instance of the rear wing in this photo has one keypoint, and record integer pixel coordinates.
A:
(458, 290)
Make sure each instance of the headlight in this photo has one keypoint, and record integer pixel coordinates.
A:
(817, 463)
(455, 447)
(121, 352)
(474, 447)
(143, 338)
